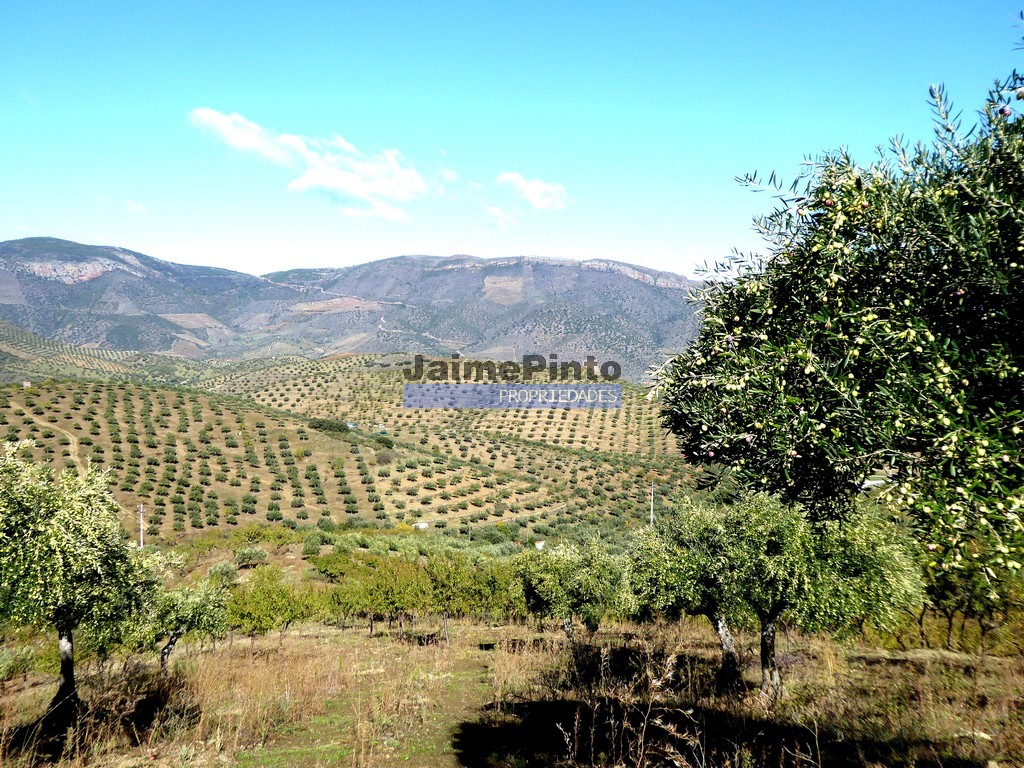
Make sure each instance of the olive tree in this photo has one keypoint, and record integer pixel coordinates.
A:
(199, 610)
(879, 334)
(571, 582)
(763, 558)
(683, 567)
(64, 560)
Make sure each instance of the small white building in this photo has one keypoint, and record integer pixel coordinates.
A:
(421, 526)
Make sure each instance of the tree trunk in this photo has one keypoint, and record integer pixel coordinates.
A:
(771, 681)
(920, 628)
(65, 704)
(165, 652)
(569, 629)
(447, 640)
(729, 674)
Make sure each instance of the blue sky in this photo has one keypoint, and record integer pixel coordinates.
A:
(264, 136)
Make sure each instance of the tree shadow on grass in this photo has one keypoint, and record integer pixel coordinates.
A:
(594, 714)
(127, 708)
(546, 733)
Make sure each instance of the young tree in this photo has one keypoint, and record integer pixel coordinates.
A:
(450, 576)
(64, 560)
(495, 591)
(571, 582)
(395, 588)
(762, 557)
(265, 602)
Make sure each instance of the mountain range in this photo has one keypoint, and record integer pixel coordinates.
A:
(112, 298)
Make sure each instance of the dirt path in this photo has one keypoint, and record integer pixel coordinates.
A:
(79, 463)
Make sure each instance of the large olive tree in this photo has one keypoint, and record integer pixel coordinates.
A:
(879, 334)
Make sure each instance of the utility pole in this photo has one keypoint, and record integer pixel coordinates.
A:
(652, 503)
(142, 542)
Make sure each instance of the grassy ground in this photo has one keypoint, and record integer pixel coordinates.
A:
(513, 697)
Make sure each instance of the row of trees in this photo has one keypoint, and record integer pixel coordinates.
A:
(65, 563)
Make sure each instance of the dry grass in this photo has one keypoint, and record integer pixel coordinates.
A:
(654, 700)
(512, 696)
(229, 701)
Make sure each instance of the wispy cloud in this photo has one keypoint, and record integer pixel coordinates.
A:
(136, 207)
(542, 195)
(501, 218)
(333, 166)
(235, 131)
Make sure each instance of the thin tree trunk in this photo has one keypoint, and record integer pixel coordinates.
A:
(165, 652)
(569, 629)
(447, 640)
(729, 674)
(771, 681)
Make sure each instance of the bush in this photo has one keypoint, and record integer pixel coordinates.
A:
(250, 557)
(311, 545)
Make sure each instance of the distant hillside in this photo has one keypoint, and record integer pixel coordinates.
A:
(112, 298)
(119, 299)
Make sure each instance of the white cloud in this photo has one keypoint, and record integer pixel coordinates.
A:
(136, 207)
(386, 175)
(542, 195)
(333, 165)
(449, 175)
(240, 133)
(501, 218)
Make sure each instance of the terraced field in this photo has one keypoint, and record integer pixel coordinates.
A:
(218, 443)
(27, 356)
(367, 389)
(244, 448)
